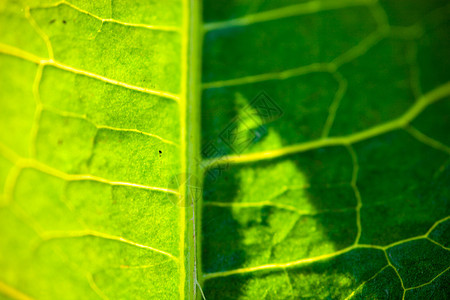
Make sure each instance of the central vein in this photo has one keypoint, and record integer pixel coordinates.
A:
(190, 149)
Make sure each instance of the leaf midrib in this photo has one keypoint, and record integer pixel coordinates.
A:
(190, 149)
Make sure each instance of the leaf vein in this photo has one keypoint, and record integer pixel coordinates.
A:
(13, 51)
(48, 236)
(399, 123)
(284, 12)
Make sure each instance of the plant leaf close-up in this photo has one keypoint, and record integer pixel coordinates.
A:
(213, 149)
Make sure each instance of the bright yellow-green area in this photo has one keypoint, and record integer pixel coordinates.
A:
(346, 195)
(91, 102)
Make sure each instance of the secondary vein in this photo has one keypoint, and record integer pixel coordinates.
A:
(401, 122)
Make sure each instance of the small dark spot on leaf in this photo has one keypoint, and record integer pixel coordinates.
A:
(64, 21)
(160, 152)
(60, 142)
(52, 21)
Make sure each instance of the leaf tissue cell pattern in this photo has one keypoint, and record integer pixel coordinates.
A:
(344, 196)
(347, 194)
(90, 110)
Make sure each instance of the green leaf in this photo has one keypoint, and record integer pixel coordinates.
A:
(91, 116)
(346, 195)
(322, 149)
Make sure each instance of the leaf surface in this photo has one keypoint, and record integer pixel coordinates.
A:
(91, 116)
(345, 194)
(324, 139)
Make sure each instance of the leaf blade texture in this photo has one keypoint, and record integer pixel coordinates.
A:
(341, 196)
(323, 161)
